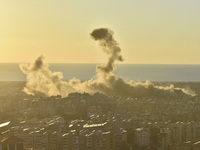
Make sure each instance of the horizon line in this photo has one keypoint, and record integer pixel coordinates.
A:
(103, 63)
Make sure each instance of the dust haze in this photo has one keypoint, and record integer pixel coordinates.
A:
(41, 80)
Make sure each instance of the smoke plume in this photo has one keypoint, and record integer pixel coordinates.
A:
(110, 46)
(41, 80)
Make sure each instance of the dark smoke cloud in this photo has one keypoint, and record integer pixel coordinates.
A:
(37, 65)
(110, 46)
(41, 80)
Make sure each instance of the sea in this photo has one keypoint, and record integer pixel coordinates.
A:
(136, 72)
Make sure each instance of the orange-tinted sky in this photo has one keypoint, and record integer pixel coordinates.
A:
(160, 32)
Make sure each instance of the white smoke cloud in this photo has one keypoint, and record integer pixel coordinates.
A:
(41, 80)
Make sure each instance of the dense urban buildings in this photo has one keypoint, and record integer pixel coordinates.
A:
(98, 122)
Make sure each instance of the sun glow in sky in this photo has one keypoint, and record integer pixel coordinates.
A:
(148, 32)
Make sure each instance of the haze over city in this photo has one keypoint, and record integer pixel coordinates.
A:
(99, 75)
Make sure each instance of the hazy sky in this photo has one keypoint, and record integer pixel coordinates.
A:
(159, 31)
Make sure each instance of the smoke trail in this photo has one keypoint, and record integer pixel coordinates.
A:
(110, 46)
(41, 80)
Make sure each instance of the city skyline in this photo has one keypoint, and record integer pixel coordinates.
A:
(99, 75)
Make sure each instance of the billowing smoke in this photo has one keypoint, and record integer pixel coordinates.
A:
(41, 80)
(110, 46)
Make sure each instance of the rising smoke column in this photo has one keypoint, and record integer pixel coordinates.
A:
(41, 80)
(110, 46)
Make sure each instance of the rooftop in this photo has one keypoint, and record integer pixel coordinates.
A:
(12, 140)
(4, 124)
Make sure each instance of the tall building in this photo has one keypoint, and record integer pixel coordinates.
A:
(70, 141)
(142, 137)
(164, 139)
